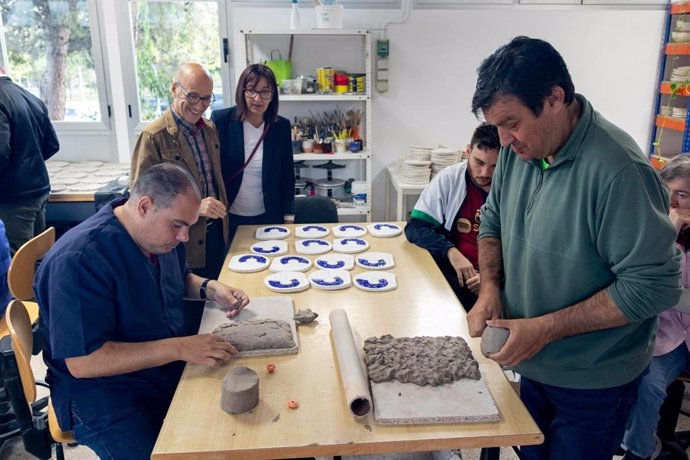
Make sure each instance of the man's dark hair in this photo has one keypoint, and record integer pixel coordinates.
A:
(162, 183)
(526, 68)
(485, 137)
(250, 78)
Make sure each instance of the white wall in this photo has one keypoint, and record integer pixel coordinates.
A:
(613, 56)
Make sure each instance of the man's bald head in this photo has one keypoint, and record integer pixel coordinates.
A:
(192, 71)
(192, 91)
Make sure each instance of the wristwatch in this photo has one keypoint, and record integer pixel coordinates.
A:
(202, 289)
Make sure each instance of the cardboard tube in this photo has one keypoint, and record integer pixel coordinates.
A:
(352, 376)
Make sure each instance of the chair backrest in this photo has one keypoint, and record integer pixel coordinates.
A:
(22, 337)
(20, 276)
(315, 210)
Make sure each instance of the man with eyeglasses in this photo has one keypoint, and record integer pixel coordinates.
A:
(182, 136)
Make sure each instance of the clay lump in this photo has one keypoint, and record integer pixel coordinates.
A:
(421, 360)
(257, 334)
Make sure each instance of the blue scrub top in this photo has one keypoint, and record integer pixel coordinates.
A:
(95, 285)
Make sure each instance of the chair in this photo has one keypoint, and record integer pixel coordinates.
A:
(315, 210)
(20, 276)
(37, 438)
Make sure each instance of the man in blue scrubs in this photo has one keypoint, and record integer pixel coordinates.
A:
(111, 294)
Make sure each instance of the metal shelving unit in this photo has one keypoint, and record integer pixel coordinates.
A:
(672, 52)
(352, 49)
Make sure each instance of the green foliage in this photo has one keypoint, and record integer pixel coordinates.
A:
(29, 25)
(166, 35)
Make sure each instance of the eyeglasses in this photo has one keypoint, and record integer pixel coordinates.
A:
(194, 99)
(265, 94)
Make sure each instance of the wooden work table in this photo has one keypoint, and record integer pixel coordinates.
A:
(423, 304)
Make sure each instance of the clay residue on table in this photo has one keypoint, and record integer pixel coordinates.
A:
(305, 316)
(421, 360)
(257, 334)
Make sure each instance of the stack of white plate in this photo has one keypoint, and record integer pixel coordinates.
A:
(680, 74)
(84, 177)
(682, 24)
(441, 158)
(55, 166)
(416, 171)
(679, 112)
(420, 152)
(681, 37)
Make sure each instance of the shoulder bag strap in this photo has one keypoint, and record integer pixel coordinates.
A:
(256, 147)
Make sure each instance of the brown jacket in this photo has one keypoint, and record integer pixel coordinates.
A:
(162, 141)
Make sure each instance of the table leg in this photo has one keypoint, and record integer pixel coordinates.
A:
(399, 206)
(388, 198)
(490, 453)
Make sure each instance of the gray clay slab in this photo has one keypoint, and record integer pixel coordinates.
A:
(279, 308)
(463, 401)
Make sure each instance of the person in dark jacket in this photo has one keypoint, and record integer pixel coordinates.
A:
(260, 187)
(445, 220)
(27, 140)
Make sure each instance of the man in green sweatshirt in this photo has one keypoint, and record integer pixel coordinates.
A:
(576, 252)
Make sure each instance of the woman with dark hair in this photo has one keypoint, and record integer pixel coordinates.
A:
(256, 153)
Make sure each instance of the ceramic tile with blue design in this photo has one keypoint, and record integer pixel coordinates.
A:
(330, 280)
(350, 245)
(375, 281)
(312, 246)
(349, 231)
(335, 262)
(384, 230)
(248, 263)
(290, 263)
(270, 248)
(375, 260)
(272, 232)
(311, 231)
(286, 282)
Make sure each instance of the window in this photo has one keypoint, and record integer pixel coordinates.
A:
(50, 51)
(166, 34)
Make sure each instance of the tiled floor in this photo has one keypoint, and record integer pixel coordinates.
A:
(14, 449)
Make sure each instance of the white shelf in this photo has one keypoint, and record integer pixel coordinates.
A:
(305, 32)
(358, 211)
(342, 48)
(331, 156)
(322, 97)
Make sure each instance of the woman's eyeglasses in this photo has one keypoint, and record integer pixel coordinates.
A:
(194, 99)
(265, 94)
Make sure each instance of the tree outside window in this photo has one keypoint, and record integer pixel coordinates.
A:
(49, 50)
(165, 35)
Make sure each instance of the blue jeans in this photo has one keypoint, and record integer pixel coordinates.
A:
(640, 435)
(130, 437)
(577, 424)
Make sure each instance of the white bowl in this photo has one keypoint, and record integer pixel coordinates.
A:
(682, 26)
(680, 36)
